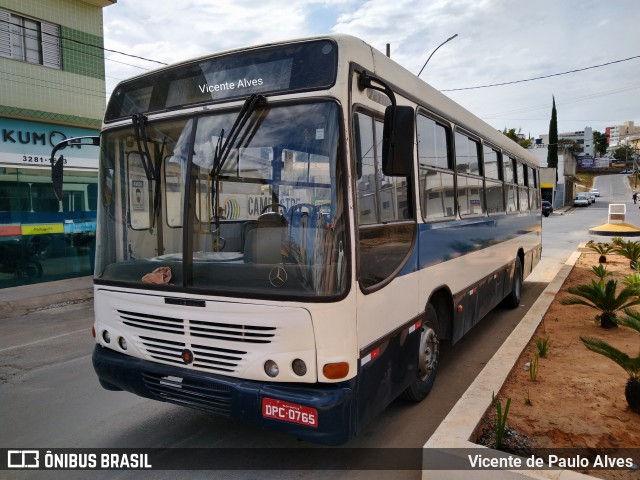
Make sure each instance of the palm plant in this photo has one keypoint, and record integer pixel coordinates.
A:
(604, 298)
(617, 241)
(601, 271)
(630, 250)
(602, 248)
(633, 280)
(630, 364)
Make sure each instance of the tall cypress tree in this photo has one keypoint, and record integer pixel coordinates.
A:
(552, 152)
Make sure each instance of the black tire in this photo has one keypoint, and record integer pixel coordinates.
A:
(513, 299)
(546, 214)
(428, 355)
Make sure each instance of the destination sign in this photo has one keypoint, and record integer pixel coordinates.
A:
(286, 68)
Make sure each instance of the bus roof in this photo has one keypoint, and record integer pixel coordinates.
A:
(404, 82)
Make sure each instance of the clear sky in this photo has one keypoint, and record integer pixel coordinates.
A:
(498, 41)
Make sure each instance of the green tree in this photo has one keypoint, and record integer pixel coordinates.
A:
(515, 136)
(600, 142)
(571, 145)
(625, 152)
(552, 153)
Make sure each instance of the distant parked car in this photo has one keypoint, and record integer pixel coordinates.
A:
(581, 200)
(595, 191)
(592, 197)
(627, 170)
(546, 208)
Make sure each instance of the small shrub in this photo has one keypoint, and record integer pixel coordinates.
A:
(602, 248)
(501, 421)
(604, 298)
(601, 271)
(533, 369)
(633, 280)
(631, 365)
(543, 346)
(631, 251)
(617, 241)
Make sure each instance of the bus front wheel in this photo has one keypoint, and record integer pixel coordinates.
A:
(427, 358)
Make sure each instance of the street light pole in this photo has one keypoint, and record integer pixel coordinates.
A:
(447, 40)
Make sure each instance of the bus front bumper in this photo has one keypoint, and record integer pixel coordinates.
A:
(236, 398)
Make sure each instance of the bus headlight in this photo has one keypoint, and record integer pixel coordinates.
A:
(123, 343)
(299, 367)
(271, 368)
(106, 337)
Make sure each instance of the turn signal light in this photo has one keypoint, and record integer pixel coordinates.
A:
(336, 371)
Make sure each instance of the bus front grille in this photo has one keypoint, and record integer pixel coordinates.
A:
(163, 350)
(231, 332)
(198, 328)
(216, 359)
(153, 323)
(186, 392)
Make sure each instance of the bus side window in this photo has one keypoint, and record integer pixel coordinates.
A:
(385, 236)
(436, 174)
(494, 189)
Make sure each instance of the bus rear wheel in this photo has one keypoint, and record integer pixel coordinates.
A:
(428, 354)
(513, 299)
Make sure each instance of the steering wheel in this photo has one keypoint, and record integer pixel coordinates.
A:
(279, 205)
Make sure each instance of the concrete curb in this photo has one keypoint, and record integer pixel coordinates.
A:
(459, 426)
(18, 301)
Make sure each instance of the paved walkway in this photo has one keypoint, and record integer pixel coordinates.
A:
(18, 301)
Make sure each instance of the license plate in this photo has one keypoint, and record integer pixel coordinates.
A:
(289, 412)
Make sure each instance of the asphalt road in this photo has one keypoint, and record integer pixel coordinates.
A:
(50, 397)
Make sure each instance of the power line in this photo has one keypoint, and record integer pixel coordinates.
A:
(59, 36)
(22, 82)
(47, 83)
(544, 76)
(564, 102)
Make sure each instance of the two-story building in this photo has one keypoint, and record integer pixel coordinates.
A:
(52, 86)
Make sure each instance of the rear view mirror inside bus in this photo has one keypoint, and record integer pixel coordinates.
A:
(398, 136)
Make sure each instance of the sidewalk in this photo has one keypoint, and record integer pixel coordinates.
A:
(18, 301)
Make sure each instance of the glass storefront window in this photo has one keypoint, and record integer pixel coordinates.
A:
(43, 239)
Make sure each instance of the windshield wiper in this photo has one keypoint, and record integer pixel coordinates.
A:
(222, 151)
(140, 132)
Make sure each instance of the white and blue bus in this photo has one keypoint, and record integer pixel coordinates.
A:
(286, 233)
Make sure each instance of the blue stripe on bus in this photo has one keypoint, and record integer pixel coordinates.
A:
(442, 241)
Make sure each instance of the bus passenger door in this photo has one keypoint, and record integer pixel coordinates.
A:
(388, 284)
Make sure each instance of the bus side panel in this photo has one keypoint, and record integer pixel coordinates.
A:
(382, 378)
(474, 260)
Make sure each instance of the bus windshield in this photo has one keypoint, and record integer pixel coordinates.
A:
(271, 222)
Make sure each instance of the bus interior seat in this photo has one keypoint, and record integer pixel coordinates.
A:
(263, 243)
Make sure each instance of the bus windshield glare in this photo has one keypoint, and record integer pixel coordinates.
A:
(272, 222)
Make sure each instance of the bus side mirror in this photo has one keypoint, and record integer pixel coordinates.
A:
(397, 141)
(57, 166)
(57, 176)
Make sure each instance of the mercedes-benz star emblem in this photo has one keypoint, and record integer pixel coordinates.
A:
(278, 277)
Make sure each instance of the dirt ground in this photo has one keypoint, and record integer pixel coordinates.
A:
(578, 399)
